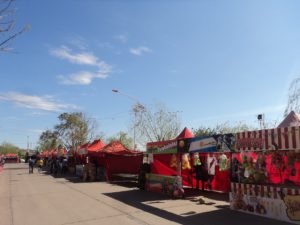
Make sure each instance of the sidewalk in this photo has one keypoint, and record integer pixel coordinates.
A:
(37, 199)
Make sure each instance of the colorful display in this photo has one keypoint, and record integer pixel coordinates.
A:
(265, 200)
(271, 167)
(170, 185)
(265, 173)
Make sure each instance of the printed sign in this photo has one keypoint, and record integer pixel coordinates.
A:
(293, 206)
(268, 201)
(215, 143)
(163, 147)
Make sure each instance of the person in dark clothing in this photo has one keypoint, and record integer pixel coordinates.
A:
(145, 168)
(31, 164)
(201, 175)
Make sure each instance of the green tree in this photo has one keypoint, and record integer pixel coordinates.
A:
(75, 128)
(49, 140)
(6, 147)
(123, 138)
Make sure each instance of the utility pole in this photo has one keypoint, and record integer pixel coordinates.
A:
(137, 107)
(27, 143)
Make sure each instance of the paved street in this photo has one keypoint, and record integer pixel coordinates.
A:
(40, 199)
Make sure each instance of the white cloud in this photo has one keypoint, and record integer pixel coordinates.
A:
(81, 78)
(122, 37)
(82, 58)
(140, 50)
(46, 103)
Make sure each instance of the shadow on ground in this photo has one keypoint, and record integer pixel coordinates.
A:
(222, 215)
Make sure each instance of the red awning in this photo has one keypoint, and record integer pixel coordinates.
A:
(117, 148)
(96, 146)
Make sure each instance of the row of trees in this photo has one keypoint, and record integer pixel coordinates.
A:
(75, 128)
(156, 124)
(7, 147)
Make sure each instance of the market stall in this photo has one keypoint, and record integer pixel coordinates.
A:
(90, 170)
(80, 159)
(210, 161)
(165, 166)
(265, 173)
(201, 162)
(11, 158)
(119, 162)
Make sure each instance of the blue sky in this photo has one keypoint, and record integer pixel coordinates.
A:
(213, 61)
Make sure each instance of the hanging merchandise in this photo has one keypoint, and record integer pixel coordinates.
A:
(235, 166)
(197, 161)
(223, 162)
(150, 158)
(186, 162)
(277, 159)
(211, 164)
(173, 162)
(291, 155)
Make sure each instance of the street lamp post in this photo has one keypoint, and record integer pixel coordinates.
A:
(137, 107)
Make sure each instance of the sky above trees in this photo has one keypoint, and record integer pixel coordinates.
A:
(208, 61)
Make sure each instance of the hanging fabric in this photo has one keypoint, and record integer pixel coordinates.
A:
(211, 165)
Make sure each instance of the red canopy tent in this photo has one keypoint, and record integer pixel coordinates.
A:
(11, 158)
(163, 152)
(186, 133)
(95, 147)
(291, 120)
(117, 159)
(82, 150)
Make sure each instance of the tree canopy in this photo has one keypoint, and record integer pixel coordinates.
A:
(73, 129)
(49, 140)
(223, 128)
(123, 138)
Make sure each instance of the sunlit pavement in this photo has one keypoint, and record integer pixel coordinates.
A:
(38, 199)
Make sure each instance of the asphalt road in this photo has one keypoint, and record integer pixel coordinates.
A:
(41, 199)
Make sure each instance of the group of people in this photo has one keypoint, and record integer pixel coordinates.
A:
(32, 161)
(2, 160)
(58, 165)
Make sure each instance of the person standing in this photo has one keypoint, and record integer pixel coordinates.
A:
(30, 163)
(40, 164)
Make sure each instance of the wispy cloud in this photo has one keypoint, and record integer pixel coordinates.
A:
(78, 42)
(122, 37)
(140, 50)
(81, 78)
(46, 103)
(81, 58)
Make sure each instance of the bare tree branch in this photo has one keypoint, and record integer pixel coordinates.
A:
(157, 124)
(7, 25)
